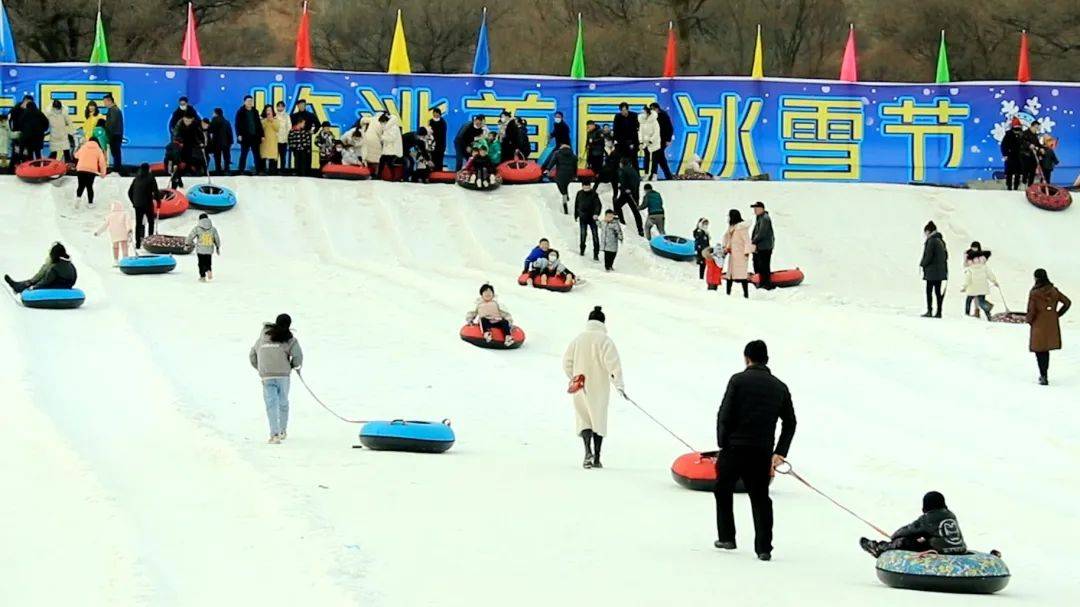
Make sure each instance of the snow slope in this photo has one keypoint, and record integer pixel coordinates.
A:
(137, 469)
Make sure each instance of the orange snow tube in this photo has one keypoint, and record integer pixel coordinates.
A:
(1048, 197)
(157, 169)
(554, 283)
(520, 171)
(37, 171)
(346, 171)
(783, 278)
(697, 472)
(173, 203)
(582, 174)
(475, 336)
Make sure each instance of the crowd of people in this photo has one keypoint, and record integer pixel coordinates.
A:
(1028, 153)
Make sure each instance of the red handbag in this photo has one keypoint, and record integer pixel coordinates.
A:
(576, 384)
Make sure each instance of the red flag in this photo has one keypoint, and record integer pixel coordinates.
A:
(1023, 70)
(190, 53)
(303, 42)
(849, 67)
(671, 55)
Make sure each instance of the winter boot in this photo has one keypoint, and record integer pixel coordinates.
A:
(928, 314)
(275, 439)
(764, 556)
(586, 437)
(724, 545)
(874, 548)
(597, 442)
(565, 203)
(1043, 381)
(11, 283)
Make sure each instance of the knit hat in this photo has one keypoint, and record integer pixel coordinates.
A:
(597, 314)
(930, 228)
(933, 501)
(283, 321)
(1015, 122)
(57, 252)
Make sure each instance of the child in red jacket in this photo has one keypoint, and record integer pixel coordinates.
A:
(714, 272)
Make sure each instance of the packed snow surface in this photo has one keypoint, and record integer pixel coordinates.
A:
(136, 469)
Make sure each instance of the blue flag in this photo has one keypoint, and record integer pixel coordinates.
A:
(482, 62)
(7, 41)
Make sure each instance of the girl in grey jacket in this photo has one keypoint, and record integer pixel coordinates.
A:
(611, 235)
(275, 354)
(206, 240)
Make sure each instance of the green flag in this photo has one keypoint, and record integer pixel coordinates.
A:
(577, 69)
(100, 54)
(942, 63)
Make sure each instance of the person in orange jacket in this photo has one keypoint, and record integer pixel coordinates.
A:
(90, 163)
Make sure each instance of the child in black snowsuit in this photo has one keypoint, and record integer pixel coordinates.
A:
(1048, 158)
(936, 530)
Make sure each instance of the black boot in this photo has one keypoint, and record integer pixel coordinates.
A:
(565, 208)
(586, 437)
(597, 442)
(874, 548)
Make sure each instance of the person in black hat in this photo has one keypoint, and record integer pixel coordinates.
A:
(762, 241)
(57, 273)
(745, 432)
(592, 365)
(935, 530)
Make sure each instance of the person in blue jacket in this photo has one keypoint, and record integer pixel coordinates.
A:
(538, 252)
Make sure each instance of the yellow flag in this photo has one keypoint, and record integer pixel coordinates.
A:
(399, 54)
(759, 61)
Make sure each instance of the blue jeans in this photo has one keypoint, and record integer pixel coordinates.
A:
(276, 395)
(980, 300)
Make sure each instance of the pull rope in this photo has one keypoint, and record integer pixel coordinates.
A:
(790, 471)
(323, 405)
(649, 415)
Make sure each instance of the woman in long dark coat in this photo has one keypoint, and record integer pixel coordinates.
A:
(1043, 312)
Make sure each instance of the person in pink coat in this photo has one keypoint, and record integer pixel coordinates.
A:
(736, 245)
(90, 164)
(119, 225)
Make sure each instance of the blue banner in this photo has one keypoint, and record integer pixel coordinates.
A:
(790, 129)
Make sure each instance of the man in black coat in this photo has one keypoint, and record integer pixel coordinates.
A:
(464, 139)
(745, 431)
(564, 162)
(192, 142)
(15, 122)
(763, 240)
(182, 106)
(145, 197)
(667, 135)
(1032, 148)
(437, 128)
(625, 128)
(560, 131)
(511, 138)
(114, 126)
(594, 146)
(1012, 150)
(221, 134)
(249, 133)
(587, 209)
(523, 144)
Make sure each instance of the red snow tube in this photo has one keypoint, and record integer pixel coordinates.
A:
(520, 171)
(173, 203)
(36, 171)
(346, 171)
(783, 278)
(697, 472)
(554, 283)
(475, 336)
(582, 174)
(392, 172)
(442, 177)
(1048, 197)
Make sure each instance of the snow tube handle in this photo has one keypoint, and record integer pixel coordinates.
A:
(446, 422)
(397, 422)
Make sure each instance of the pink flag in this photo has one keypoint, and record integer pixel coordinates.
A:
(849, 70)
(190, 54)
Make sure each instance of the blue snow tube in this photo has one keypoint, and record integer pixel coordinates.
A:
(148, 264)
(971, 573)
(53, 299)
(401, 435)
(673, 247)
(211, 198)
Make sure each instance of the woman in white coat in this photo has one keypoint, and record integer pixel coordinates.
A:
(60, 131)
(737, 246)
(592, 365)
(373, 142)
(649, 136)
(977, 280)
(392, 146)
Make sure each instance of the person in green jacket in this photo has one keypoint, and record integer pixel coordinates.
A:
(57, 273)
(101, 135)
(494, 147)
(655, 205)
(629, 182)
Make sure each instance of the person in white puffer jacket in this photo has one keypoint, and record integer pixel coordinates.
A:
(592, 365)
(977, 280)
(649, 136)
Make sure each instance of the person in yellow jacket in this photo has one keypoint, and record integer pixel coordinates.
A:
(268, 147)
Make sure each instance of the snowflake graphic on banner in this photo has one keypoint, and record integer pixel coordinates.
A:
(1031, 112)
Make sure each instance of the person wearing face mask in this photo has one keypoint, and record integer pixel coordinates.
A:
(182, 106)
(549, 267)
(437, 128)
(560, 132)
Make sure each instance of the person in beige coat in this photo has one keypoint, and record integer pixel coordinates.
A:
(592, 365)
(268, 147)
(736, 245)
(60, 131)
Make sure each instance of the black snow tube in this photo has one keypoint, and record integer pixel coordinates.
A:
(971, 573)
